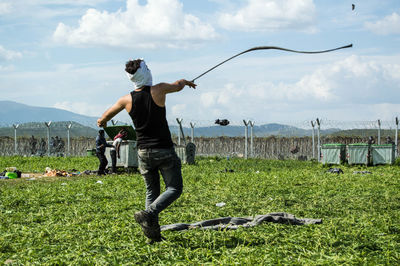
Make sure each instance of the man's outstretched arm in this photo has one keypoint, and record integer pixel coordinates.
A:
(174, 87)
(113, 110)
(160, 90)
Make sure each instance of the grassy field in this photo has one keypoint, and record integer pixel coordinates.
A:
(75, 220)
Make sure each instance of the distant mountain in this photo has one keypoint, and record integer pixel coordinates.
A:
(16, 113)
(364, 133)
(32, 118)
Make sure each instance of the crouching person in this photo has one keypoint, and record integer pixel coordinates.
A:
(115, 149)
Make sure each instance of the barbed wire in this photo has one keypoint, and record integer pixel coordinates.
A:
(197, 123)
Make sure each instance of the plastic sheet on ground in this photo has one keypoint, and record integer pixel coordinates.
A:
(232, 223)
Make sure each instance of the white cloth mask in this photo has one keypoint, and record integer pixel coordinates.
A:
(142, 76)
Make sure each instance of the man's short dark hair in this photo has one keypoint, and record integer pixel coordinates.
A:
(132, 65)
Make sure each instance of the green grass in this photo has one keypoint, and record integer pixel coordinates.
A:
(78, 221)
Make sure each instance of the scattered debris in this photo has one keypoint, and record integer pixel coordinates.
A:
(220, 204)
(56, 172)
(99, 182)
(31, 179)
(63, 184)
(89, 172)
(335, 171)
(362, 172)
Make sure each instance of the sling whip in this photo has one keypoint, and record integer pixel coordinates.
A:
(273, 48)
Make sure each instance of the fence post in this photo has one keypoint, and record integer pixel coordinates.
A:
(251, 123)
(68, 138)
(15, 126)
(192, 131)
(48, 137)
(313, 141)
(397, 131)
(179, 130)
(319, 139)
(246, 129)
(379, 131)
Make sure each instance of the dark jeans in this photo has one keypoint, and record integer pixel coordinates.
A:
(165, 161)
(103, 162)
(113, 154)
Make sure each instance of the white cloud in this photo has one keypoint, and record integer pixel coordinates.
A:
(5, 8)
(159, 23)
(271, 15)
(346, 89)
(388, 25)
(8, 54)
(178, 109)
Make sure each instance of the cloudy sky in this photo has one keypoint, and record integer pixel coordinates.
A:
(71, 55)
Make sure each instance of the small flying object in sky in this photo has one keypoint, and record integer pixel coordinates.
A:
(353, 6)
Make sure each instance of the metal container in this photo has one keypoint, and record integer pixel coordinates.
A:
(181, 152)
(128, 149)
(334, 153)
(128, 154)
(358, 153)
(90, 152)
(383, 154)
(186, 153)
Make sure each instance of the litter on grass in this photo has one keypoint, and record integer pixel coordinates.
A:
(362, 172)
(335, 171)
(232, 223)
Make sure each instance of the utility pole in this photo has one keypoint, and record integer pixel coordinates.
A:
(313, 141)
(192, 131)
(15, 126)
(246, 132)
(379, 131)
(319, 139)
(68, 138)
(48, 137)
(251, 123)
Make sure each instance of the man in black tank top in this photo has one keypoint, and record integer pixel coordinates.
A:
(156, 154)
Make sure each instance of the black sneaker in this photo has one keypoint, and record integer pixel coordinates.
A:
(149, 224)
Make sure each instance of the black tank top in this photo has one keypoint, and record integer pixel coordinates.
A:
(150, 121)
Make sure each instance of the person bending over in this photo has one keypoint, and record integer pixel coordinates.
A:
(115, 149)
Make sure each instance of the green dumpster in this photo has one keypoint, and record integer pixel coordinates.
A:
(333, 153)
(358, 153)
(90, 152)
(383, 154)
